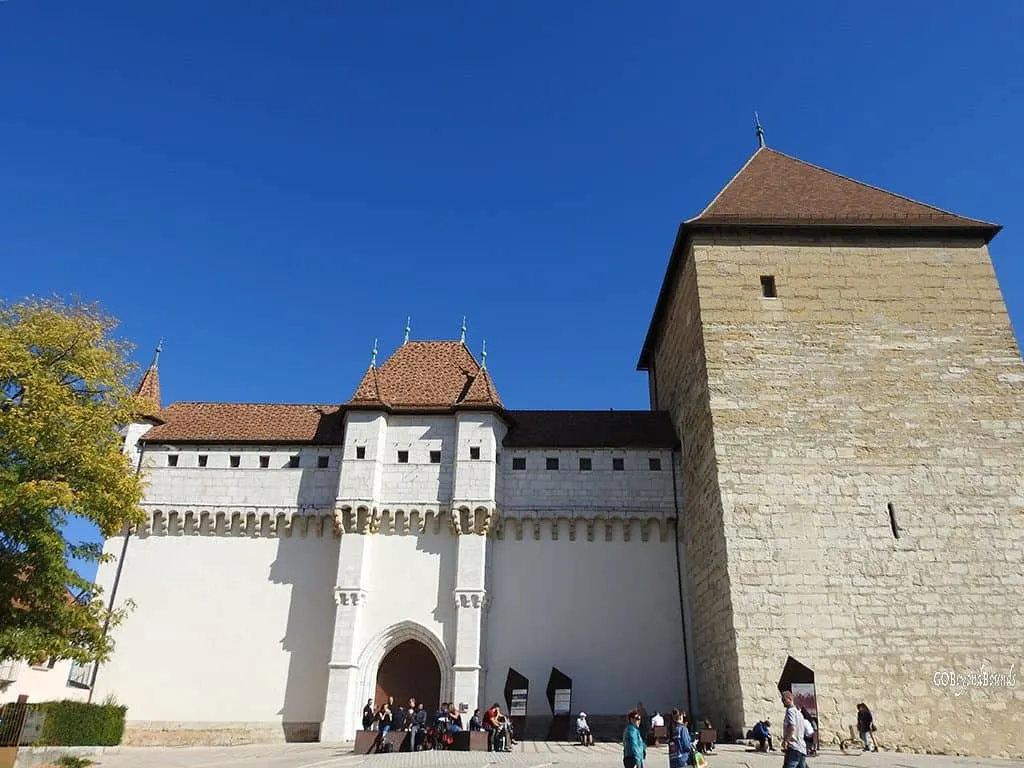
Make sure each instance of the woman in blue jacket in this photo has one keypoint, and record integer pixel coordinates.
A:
(633, 748)
(680, 749)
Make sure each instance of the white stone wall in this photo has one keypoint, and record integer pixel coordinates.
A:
(635, 487)
(220, 484)
(418, 481)
(606, 613)
(39, 683)
(224, 629)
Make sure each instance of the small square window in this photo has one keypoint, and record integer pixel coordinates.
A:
(322, 462)
(202, 459)
(264, 462)
(585, 464)
(618, 464)
(551, 463)
(654, 464)
(519, 463)
(360, 451)
(435, 457)
(768, 286)
(172, 460)
(474, 453)
(403, 457)
(235, 461)
(293, 462)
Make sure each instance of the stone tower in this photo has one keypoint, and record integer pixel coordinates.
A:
(842, 373)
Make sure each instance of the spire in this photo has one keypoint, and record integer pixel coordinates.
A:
(462, 337)
(483, 357)
(408, 327)
(759, 130)
(148, 390)
(373, 355)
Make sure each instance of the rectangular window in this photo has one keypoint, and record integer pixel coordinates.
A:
(293, 462)
(474, 453)
(519, 463)
(360, 451)
(551, 463)
(264, 462)
(403, 457)
(435, 457)
(654, 464)
(585, 464)
(322, 462)
(80, 675)
(172, 460)
(618, 464)
(202, 459)
(236, 461)
(768, 286)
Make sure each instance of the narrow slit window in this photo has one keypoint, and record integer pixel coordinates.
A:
(322, 462)
(768, 286)
(618, 465)
(435, 457)
(203, 459)
(236, 461)
(172, 460)
(360, 451)
(264, 462)
(551, 463)
(892, 521)
(474, 453)
(403, 457)
(519, 463)
(293, 462)
(654, 464)
(586, 464)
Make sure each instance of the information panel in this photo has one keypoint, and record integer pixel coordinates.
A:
(563, 701)
(518, 706)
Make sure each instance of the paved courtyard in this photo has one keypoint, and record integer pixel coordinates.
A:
(526, 755)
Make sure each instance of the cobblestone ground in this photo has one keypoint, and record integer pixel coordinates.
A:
(526, 755)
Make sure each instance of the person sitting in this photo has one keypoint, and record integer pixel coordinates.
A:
(763, 733)
(706, 747)
(476, 723)
(657, 728)
(583, 730)
(454, 720)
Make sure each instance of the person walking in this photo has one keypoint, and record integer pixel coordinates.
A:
(866, 726)
(793, 735)
(680, 747)
(634, 751)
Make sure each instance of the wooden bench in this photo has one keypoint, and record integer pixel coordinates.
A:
(658, 732)
(469, 741)
(366, 741)
(708, 737)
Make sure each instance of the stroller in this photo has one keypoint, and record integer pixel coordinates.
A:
(437, 736)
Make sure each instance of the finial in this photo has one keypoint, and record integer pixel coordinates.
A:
(408, 327)
(373, 356)
(759, 129)
(462, 338)
(483, 356)
(157, 351)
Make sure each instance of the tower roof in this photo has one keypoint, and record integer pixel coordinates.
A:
(148, 392)
(776, 192)
(427, 375)
(774, 188)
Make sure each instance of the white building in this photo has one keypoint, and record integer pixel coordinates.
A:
(419, 540)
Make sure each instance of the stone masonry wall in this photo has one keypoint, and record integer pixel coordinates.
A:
(682, 389)
(884, 373)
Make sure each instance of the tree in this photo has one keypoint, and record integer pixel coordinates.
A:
(64, 396)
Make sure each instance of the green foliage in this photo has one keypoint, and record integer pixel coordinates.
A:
(72, 761)
(77, 724)
(64, 394)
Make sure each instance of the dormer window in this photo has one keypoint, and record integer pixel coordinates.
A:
(403, 457)
(474, 453)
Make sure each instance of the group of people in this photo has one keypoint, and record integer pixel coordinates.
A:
(682, 749)
(437, 731)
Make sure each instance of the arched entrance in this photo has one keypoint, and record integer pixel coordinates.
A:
(408, 671)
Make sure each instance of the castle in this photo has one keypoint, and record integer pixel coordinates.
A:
(828, 490)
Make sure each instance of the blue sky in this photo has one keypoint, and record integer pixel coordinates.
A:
(271, 185)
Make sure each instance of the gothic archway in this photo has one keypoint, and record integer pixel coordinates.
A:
(383, 643)
(409, 670)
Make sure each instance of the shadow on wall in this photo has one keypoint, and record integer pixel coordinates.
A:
(444, 611)
(309, 564)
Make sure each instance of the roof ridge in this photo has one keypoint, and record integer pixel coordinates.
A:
(231, 402)
(860, 183)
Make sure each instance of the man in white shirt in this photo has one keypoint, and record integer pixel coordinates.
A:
(583, 730)
(793, 735)
(657, 721)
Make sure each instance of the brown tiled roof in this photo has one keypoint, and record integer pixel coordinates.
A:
(427, 375)
(148, 391)
(247, 423)
(774, 190)
(590, 429)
